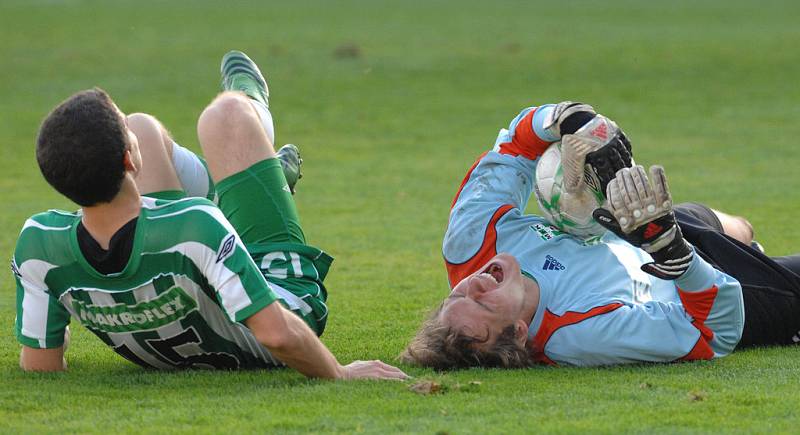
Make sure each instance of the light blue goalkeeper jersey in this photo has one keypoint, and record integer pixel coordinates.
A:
(596, 306)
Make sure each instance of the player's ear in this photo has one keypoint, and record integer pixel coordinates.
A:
(521, 332)
(129, 162)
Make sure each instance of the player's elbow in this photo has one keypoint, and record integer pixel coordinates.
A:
(42, 360)
(278, 340)
(274, 327)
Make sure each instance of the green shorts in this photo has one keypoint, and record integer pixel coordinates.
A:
(258, 203)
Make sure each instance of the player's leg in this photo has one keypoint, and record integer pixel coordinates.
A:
(169, 170)
(231, 136)
(157, 173)
(251, 187)
(735, 226)
(255, 194)
(771, 291)
(236, 134)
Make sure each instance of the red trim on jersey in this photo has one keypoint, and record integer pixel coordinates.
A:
(524, 141)
(698, 305)
(466, 178)
(552, 323)
(701, 350)
(488, 249)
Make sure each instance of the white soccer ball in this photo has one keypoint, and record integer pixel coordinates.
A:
(571, 213)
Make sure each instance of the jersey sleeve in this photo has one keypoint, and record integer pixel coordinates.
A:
(240, 287)
(498, 186)
(707, 324)
(41, 319)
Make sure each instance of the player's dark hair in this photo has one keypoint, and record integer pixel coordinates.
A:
(441, 347)
(81, 146)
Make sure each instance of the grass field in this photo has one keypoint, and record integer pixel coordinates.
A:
(390, 103)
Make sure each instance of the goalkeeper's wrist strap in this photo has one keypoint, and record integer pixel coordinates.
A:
(672, 261)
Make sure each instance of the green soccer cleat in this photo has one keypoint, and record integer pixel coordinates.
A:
(289, 157)
(240, 73)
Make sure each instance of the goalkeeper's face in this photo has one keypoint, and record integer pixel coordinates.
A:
(483, 304)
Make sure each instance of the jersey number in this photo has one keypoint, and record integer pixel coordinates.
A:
(165, 348)
(279, 272)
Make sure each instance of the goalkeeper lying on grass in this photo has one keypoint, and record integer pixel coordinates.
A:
(664, 284)
(166, 281)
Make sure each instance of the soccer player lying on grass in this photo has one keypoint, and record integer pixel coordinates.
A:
(170, 283)
(665, 284)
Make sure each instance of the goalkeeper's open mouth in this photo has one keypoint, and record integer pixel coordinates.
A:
(495, 271)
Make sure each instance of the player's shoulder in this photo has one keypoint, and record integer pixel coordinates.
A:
(189, 218)
(185, 208)
(43, 233)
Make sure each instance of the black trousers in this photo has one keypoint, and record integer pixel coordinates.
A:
(770, 285)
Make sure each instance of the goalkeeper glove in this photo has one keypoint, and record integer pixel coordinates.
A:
(641, 214)
(593, 147)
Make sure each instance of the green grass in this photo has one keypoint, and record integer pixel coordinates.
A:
(707, 88)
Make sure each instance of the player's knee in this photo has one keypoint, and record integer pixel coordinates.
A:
(739, 228)
(229, 115)
(149, 132)
(227, 107)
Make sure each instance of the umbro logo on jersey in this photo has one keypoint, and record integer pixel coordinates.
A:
(551, 263)
(14, 269)
(226, 249)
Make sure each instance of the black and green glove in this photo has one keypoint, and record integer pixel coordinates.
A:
(641, 213)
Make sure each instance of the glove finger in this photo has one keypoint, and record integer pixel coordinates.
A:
(631, 194)
(626, 144)
(649, 207)
(617, 161)
(573, 159)
(617, 202)
(661, 188)
(614, 195)
(644, 194)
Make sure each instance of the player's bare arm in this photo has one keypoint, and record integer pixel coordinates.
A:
(294, 343)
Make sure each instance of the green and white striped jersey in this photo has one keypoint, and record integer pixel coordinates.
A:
(179, 302)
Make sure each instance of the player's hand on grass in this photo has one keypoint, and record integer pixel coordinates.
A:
(374, 369)
(641, 213)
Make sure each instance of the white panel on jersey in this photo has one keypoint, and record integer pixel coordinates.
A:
(35, 301)
(640, 281)
(33, 223)
(228, 285)
(235, 332)
(292, 300)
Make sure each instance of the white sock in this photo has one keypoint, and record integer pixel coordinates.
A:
(192, 173)
(266, 119)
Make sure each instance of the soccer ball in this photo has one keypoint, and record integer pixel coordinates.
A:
(571, 213)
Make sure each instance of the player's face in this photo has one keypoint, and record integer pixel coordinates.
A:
(486, 302)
